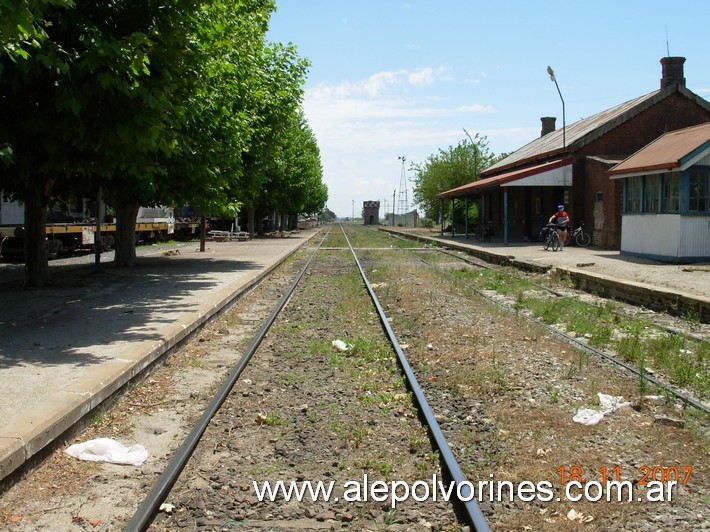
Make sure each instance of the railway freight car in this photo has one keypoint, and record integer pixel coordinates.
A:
(73, 227)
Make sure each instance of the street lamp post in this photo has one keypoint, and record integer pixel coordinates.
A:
(553, 78)
(564, 125)
(475, 154)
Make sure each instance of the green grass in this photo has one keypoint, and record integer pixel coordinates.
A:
(362, 237)
(366, 237)
(684, 361)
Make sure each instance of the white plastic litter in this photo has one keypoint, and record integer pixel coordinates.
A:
(608, 403)
(340, 345)
(108, 450)
(587, 416)
(574, 515)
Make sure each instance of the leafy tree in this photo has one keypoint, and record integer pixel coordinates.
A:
(295, 185)
(283, 75)
(235, 93)
(33, 68)
(22, 26)
(454, 167)
(221, 111)
(150, 101)
(128, 94)
(83, 115)
(327, 216)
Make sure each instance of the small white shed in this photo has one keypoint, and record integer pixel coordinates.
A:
(666, 211)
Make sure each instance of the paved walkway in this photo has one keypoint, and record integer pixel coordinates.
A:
(65, 349)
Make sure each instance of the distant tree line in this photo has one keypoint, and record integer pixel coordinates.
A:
(451, 168)
(151, 102)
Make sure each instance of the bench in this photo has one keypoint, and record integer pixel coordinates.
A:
(228, 236)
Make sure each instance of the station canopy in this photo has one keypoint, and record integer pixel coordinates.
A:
(557, 173)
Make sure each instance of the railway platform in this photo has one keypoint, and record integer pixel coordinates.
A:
(682, 289)
(66, 348)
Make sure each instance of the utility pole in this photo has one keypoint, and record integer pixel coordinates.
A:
(393, 193)
(475, 155)
(403, 204)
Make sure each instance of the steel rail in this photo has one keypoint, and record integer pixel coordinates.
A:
(642, 374)
(632, 369)
(145, 514)
(473, 512)
(482, 264)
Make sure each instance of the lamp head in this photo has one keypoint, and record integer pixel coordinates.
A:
(551, 72)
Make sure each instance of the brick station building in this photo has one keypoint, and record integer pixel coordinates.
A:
(571, 166)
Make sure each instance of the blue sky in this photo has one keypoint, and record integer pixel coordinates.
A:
(393, 78)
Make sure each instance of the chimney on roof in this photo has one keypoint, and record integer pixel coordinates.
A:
(672, 69)
(548, 125)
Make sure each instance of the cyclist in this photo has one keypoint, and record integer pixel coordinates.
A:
(561, 220)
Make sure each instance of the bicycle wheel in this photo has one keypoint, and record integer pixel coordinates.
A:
(583, 239)
(546, 241)
(555, 241)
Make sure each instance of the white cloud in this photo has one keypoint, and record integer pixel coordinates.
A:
(328, 110)
(378, 83)
(423, 76)
(362, 126)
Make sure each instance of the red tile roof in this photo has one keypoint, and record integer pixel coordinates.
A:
(584, 131)
(666, 152)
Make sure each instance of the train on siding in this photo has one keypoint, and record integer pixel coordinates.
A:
(72, 227)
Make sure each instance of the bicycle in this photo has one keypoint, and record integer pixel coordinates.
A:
(581, 238)
(550, 238)
(483, 233)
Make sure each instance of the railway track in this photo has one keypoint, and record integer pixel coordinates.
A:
(660, 384)
(466, 505)
(501, 389)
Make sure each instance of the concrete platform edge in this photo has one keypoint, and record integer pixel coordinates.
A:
(40, 428)
(652, 297)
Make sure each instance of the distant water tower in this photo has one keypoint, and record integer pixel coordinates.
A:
(371, 212)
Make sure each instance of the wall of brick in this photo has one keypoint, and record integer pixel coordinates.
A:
(674, 112)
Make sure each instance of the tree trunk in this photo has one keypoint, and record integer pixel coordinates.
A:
(203, 234)
(35, 237)
(250, 222)
(125, 255)
(259, 216)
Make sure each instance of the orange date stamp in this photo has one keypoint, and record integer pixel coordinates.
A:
(680, 475)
